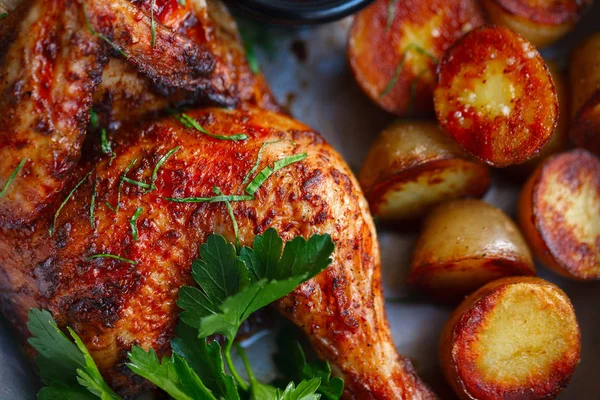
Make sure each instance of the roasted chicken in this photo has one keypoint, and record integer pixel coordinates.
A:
(132, 59)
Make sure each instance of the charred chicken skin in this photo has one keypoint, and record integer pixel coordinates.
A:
(69, 201)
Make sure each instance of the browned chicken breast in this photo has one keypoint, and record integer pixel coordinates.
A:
(63, 208)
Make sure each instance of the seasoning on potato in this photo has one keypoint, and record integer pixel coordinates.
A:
(495, 96)
(559, 211)
(394, 47)
(465, 244)
(413, 166)
(584, 74)
(540, 22)
(515, 338)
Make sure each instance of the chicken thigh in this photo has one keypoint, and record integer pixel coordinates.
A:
(63, 206)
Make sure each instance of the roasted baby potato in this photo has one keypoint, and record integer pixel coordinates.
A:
(495, 96)
(465, 244)
(560, 138)
(559, 212)
(515, 338)
(394, 48)
(584, 71)
(540, 22)
(413, 166)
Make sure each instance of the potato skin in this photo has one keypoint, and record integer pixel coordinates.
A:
(584, 74)
(495, 96)
(540, 22)
(413, 166)
(476, 329)
(416, 34)
(465, 244)
(559, 212)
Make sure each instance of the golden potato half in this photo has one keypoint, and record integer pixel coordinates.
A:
(413, 166)
(584, 74)
(559, 211)
(515, 338)
(540, 22)
(394, 48)
(495, 96)
(464, 245)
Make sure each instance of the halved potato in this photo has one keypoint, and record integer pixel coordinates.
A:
(559, 211)
(413, 166)
(465, 244)
(515, 338)
(495, 96)
(540, 22)
(394, 47)
(560, 138)
(584, 71)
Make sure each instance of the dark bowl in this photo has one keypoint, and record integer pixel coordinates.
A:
(298, 12)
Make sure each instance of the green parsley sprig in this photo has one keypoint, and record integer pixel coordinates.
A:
(232, 286)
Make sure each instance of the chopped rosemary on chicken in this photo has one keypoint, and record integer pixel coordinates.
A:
(152, 23)
(133, 223)
(214, 199)
(268, 171)
(191, 123)
(100, 35)
(12, 176)
(93, 204)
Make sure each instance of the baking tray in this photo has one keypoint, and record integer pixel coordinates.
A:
(309, 74)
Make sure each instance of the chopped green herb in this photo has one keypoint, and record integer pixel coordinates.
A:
(214, 199)
(182, 2)
(51, 230)
(100, 35)
(93, 205)
(159, 164)
(121, 182)
(191, 123)
(250, 52)
(93, 118)
(95, 256)
(268, 171)
(153, 23)
(3, 15)
(232, 216)
(413, 91)
(133, 223)
(388, 88)
(105, 144)
(391, 10)
(143, 185)
(110, 207)
(257, 163)
(12, 176)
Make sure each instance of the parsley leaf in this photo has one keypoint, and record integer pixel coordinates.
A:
(304, 391)
(233, 287)
(206, 360)
(291, 361)
(66, 367)
(173, 375)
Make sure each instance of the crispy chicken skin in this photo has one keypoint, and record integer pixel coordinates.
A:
(113, 304)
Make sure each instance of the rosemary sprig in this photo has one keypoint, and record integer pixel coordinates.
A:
(106, 255)
(62, 205)
(191, 123)
(236, 230)
(133, 225)
(388, 88)
(100, 35)
(12, 176)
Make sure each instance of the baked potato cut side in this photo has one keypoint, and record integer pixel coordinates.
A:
(584, 74)
(413, 166)
(465, 244)
(515, 338)
(394, 48)
(540, 22)
(559, 211)
(495, 96)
